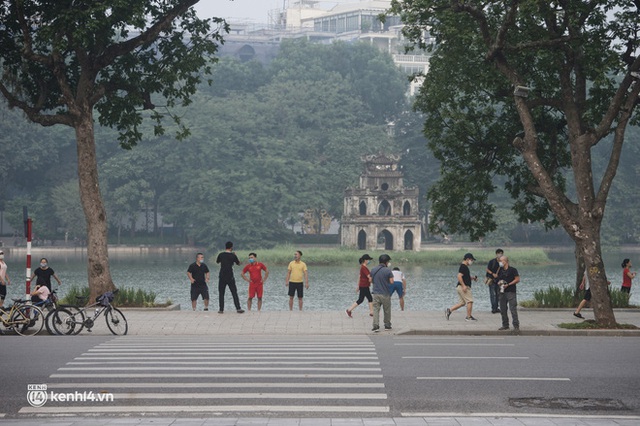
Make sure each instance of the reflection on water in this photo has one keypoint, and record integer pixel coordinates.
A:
(332, 288)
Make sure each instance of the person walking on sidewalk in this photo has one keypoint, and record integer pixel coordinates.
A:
(227, 259)
(508, 278)
(627, 276)
(364, 284)
(198, 274)
(584, 285)
(382, 279)
(463, 288)
(492, 281)
(296, 273)
(399, 285)
(255, 280)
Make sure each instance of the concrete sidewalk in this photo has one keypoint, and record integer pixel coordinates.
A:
(532, 322)
(458, 420)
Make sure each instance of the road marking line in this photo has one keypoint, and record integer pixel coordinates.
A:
(220, 375)
(115, 385)
(287, 368)
(253, 395)
(521, 415)
(454, 344)
(213, 352)
(239, 345)
(541, 379)
(447, 338)
(204, 408)
(465, 357)
(214, 358)
(249, 362)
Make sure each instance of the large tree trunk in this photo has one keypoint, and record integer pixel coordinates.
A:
(591, 252)
(97, 254)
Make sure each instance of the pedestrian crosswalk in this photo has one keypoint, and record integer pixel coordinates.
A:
(226, 375)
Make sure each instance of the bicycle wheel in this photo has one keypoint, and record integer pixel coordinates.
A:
(66, 322)
(116, 321)
(47, 322)
(27, 320)
(78, 317)
(55, 322)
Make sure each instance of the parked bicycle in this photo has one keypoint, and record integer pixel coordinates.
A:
(22, 317)
(50, 306)
(66, 322)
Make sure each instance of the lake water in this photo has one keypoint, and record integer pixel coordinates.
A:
(331, 288)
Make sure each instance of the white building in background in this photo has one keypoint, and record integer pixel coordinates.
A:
(325, 22)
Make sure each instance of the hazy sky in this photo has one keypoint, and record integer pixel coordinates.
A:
(255, 10)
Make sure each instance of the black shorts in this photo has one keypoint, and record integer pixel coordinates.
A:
(625, 289)
(587, 295)
(365, 293)
(3, 291)
(199, 289)
(296, 287)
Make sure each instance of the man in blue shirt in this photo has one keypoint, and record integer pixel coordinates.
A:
(382, 279)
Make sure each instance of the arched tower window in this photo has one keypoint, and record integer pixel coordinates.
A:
(384, 209)
(406, 208)
(363, 208)
(386, 238)
(408, 240)
(362, 240)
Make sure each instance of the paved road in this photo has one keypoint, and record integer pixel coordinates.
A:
(379, 376)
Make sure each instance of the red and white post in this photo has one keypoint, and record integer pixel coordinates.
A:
(28, 232)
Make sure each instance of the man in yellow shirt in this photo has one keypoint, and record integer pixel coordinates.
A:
(296, 273)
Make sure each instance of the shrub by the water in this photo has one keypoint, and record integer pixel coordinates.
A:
(555, 297)
(127, 297)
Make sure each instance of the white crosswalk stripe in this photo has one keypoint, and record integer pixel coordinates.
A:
(220, 375)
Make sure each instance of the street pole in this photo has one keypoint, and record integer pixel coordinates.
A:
(27, 234)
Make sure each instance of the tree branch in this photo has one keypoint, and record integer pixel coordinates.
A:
(618, 141)
(116, 50)
(26, 37)
(34, 114)
(622, 93)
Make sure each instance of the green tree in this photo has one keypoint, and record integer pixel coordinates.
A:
(371, 75)
(65, 200)
(556, 79)
(64, 59)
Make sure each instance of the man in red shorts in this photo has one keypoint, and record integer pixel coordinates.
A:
(255, 280)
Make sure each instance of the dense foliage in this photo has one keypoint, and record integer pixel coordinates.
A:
(527, 90)
(266, 142)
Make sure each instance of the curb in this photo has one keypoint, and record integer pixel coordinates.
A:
(558, 332)
(174, 307)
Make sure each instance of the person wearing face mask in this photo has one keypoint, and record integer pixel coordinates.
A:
(463, 288)
(364, 284)
(508, 277)
(4, 279)
(492, 281)
(382, 279)
(44, 274)
(255, 280)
